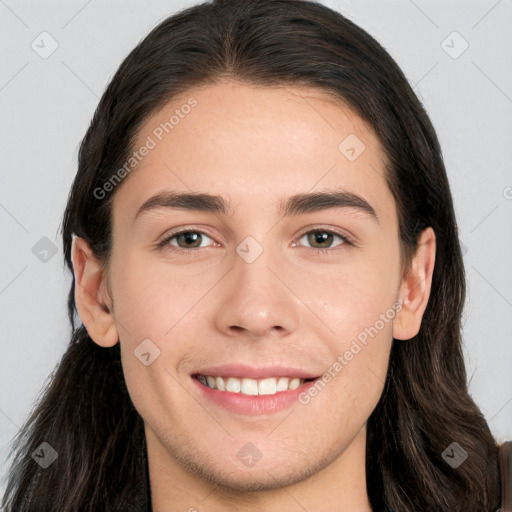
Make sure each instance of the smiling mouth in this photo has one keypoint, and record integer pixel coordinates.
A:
(252, 387)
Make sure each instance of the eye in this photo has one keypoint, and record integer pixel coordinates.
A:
(324, 238)
(321, 240)
(186, 239)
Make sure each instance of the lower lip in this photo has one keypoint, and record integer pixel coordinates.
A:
(253, 404)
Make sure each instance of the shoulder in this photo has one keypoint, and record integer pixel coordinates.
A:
(505, 458)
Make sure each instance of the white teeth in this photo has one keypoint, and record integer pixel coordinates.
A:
(249, 387)
(233, 385)
(252, 387)
(294, 384)
(267, 386)
(282, 384)
(219, 383)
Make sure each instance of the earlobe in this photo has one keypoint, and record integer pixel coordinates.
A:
(90, 285)
(415, 288)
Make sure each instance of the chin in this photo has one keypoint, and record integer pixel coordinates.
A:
(254, 481)
(264, 475)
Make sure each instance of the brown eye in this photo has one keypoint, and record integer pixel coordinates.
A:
(189, 239)
(322, 239)
(185, 240)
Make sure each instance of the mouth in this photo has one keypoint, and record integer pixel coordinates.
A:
(252, 387)
(246, 390)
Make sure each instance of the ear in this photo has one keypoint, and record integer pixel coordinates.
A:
(415, 288)
(90, 290)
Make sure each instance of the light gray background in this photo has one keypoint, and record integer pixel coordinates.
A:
(46, 106)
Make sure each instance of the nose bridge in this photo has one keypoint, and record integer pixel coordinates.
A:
(254, 277)
(257, 301)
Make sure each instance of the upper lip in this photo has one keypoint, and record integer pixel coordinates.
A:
(254, 372)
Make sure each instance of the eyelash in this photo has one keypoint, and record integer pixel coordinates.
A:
(322, 252)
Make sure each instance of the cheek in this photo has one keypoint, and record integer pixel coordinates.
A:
(355, 375)
(153, 303)
(359, 308)
(356, 298)
(151, 299)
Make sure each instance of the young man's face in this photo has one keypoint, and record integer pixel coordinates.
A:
(254, 298)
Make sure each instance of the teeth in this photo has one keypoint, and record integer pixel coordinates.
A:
(253, 387)
(219, 384)
(233, 385)
(249, 387)
(267, 386)
(282, 384)
(294, 383)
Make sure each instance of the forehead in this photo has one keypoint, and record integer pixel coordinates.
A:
(253, 145)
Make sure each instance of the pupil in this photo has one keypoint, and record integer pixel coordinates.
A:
(322, 237)
(189, 237)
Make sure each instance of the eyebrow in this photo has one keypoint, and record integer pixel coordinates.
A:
(293, 205)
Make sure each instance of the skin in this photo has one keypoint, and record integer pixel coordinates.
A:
(291, 306)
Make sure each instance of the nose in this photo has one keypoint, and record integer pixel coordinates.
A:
(257, 300)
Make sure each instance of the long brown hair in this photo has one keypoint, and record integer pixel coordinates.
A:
(85, 413)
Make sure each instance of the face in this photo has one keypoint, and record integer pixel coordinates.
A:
(260, 294)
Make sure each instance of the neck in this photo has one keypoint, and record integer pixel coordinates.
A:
(339, 486)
